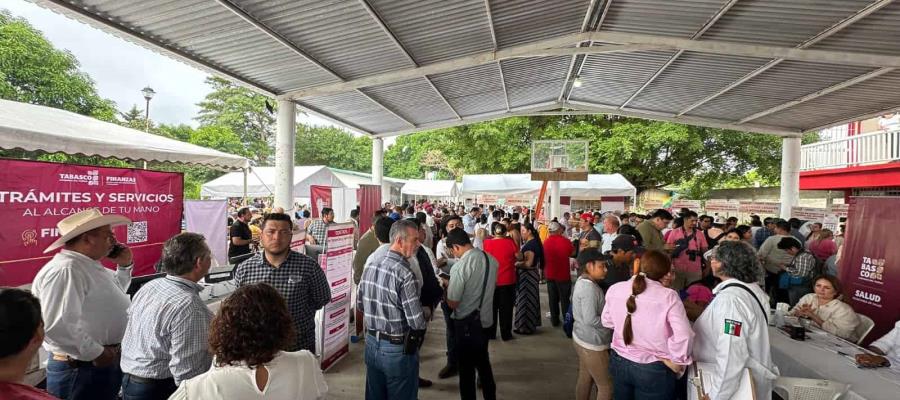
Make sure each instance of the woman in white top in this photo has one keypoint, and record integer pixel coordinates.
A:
(246, 336)
(828, 312)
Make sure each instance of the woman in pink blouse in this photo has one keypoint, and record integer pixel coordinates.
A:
(822, 245)
(651, 333)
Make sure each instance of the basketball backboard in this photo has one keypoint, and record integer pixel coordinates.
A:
(559, 160)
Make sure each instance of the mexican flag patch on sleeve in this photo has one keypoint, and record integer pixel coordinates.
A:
(732, 327)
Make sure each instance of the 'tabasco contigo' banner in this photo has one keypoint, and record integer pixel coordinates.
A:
(870, 261)
(34, 196)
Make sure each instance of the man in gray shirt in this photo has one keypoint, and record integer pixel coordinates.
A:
(470, 294)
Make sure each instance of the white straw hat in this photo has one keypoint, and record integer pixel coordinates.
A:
(81, 222)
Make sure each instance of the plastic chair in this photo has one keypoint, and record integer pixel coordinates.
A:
(809, 389)
(865, 326)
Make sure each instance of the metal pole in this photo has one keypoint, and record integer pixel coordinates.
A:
(554, 199)
(378, 167)
(147, 116)
(244, 200)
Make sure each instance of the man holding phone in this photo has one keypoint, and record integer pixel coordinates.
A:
(85, 307)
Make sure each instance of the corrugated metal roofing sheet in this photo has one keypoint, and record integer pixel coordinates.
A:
(878, 33)
(660, 17)
(534, 80)
(414, 99)
(437, 30)
(780, 84)
(850, 102)
(356, 109)
(474, 90)
(610, 79)
(781, 22)
(522, 21)
(692, 77)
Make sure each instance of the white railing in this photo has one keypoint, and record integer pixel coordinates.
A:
(869, 148)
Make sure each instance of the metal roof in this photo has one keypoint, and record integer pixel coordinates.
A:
(389, 67)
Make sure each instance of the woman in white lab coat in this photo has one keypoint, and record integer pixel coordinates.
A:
(732, 333)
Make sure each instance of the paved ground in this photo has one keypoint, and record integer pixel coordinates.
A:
(539, 366)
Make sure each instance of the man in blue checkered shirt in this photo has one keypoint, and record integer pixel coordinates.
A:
(166, 337)
(297, 277)
(389, 299)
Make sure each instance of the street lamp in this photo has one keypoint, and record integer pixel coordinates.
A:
(148, 94)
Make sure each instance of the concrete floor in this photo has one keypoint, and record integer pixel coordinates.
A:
(539, 366)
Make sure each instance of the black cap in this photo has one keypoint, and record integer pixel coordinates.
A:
(626, 243)
(590, 254)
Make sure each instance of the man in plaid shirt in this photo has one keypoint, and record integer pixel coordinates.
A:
(389, 299)
(166, 337)
(297, 277)
(801, 269)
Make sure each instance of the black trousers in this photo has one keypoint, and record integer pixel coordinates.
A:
(776, 294)
(504, 300)
(452, 358)
(560, 294)
(472, 348)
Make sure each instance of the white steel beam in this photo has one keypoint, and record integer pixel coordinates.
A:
(708, 24)
(707, 122)
(861, 117)
(516, 111)
(624, 42)
(386, 108)
(503, 81)
(387, 31)
(490, 19)
(330, 118)
(441, 95)
(599, 25)
(584, 27)
(820, 93)
(864, 12)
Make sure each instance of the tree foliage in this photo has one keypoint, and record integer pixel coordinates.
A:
(244, 112)
(33, 71)
(650, 154)
(334, 147)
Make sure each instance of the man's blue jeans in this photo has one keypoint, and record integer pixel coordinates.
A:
(390, 374)
(82, 380)
(632, 381)
(158, 389)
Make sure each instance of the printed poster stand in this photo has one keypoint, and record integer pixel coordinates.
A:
(333, 321)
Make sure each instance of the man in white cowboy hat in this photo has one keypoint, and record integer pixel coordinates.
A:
(84, 307)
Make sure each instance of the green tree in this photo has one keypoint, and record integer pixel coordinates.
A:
(245, 112)
(404, 159)
(180, 132)
(334, 147)
(33, 71)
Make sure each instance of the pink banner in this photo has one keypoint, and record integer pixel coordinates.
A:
(870, 261)
(34, 196)
(319, 198)
(369, 200)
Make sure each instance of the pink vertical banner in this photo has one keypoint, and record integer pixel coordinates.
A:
(210, 219)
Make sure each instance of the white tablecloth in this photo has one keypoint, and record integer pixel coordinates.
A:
(807, 359)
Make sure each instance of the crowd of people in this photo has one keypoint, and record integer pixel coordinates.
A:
(642, 296)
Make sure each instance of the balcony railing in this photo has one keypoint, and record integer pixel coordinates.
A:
(869, 148)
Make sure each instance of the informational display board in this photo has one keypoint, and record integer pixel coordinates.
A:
(870, 261)
(693, 205)
(760, 208)
(652, 204)
(809, 213)
(721, 206)
(34, 196)
(334, 321)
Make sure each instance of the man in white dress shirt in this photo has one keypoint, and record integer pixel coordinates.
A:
(84, 307)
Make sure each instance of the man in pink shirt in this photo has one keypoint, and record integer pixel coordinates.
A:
(651, 333)
(687, 256)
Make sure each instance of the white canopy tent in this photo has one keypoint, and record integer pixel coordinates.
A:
(352, 179)
(261, 181)
(597, 185)
(38, 128)
(431, 188)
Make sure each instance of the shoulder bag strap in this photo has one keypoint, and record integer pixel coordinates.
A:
(487, 266)
(761, 308)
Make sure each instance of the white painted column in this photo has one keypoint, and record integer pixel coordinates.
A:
(378, 167)
(790, 175)
(554, 200)
(284, 155)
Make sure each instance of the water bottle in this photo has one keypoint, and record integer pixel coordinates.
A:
(779, 318)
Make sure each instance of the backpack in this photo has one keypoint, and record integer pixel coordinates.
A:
(568, 322)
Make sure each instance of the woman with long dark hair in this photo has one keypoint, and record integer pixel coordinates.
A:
(528, 300)
(505, 251)
(651, 333)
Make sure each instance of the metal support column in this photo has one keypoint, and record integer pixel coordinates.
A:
(378, 167)
(284, 155)
(554, 199)
(790, 175)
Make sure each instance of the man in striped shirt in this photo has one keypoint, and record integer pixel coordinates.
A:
(389, 299)
(166, 337)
